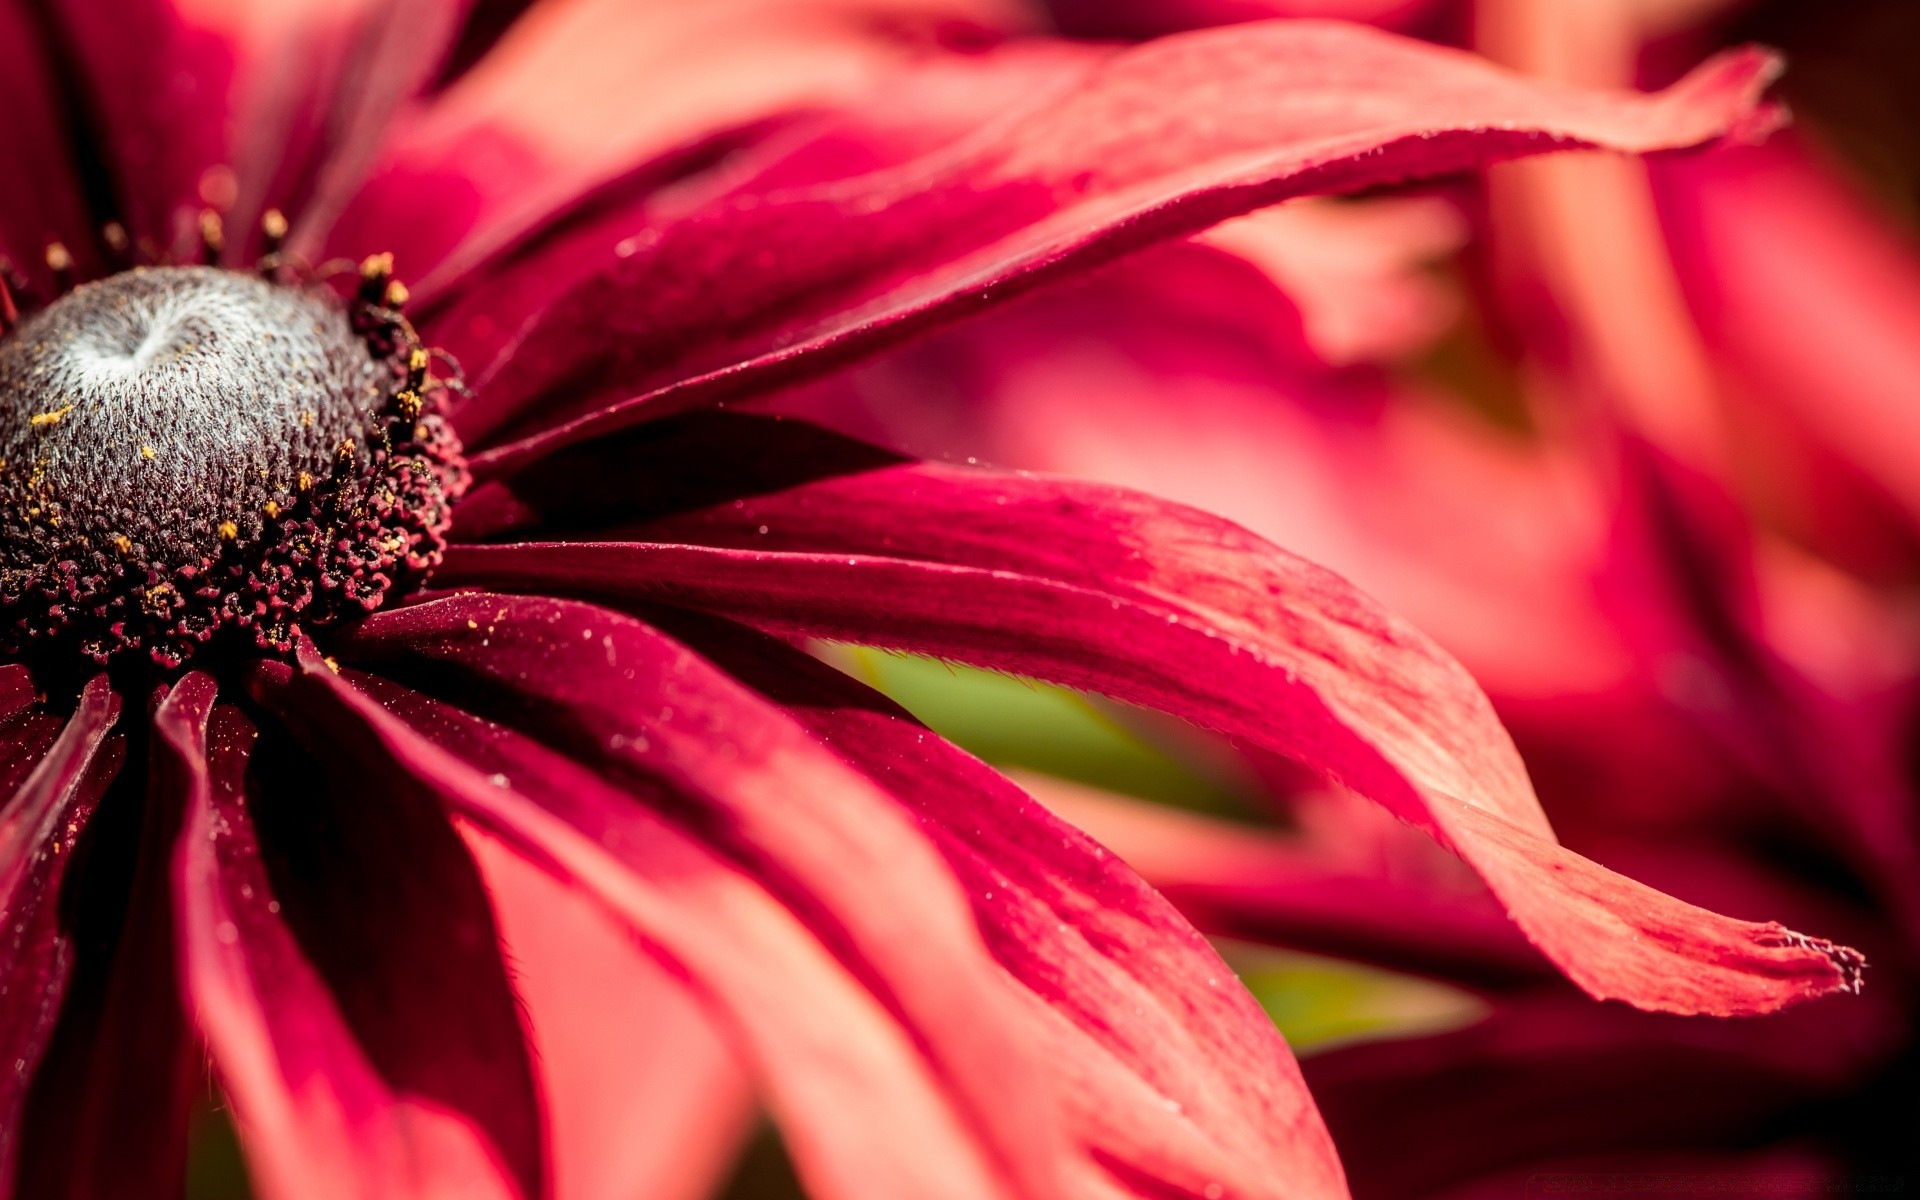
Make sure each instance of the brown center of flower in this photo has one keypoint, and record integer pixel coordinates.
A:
(190, 449)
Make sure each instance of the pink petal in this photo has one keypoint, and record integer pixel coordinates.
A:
(1152, 18)
(1282, 889)
(759, 285)
(1164, 606)
(364, 1032)
(860, 874)
(1809, 298)
(643, 1093)
(575, 95)
(39, 827)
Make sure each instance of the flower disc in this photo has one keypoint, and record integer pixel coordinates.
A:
(184, 448)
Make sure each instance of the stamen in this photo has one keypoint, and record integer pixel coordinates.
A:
(273, 235)
(114, 234)
(60, 262)
(213, 237)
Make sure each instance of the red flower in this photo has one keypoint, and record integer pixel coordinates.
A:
(326, 668)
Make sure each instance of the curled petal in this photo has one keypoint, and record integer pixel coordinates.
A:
(1160, 605)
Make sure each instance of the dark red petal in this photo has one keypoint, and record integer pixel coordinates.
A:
(1160, 605)
(867, 882)
(645, 1097)
(387, 51)
(845, 1065)
(149, 91)
(35, 144)
(1159, 1024)
(1557, 1076)
(39, 828)
(343, 967)
(1152, 142)
(107, 1113)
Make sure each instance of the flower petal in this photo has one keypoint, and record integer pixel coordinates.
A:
(342, 964)
(644, 1095)
(1287, 890)
(764, 285)
(387, 52)
(35, 143)
(147, 94)
(107, 1113)
(39, 827)
(576, 94)
(896, 901)
(1158, 1024)
(866, 1114)
(1160, 605)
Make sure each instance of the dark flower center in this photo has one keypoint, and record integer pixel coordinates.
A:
(188, 449)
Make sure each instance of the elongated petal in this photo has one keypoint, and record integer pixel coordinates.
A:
(392, 49)
(349, 987)
(147, 90)
(864, 1111)
(35, 143)
(1158, 1024)
(39, 827)
(1164, 606)
(1292, 891)
(107, 1114)
(896, 895)
(1558, 1076)
(1102, 165)
(644, 1095)
(577, 94)
(1809, 297)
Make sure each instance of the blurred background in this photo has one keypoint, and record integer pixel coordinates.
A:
(1640, 444)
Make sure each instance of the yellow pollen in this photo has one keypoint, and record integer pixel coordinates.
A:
(418, 359)
(228, 531)
(397, 294)
(272, 509)
(42, 420)
(123, 544)
(376, 266)
(212, 234)
(273, 223)
(146, 452)
(333, 664)
(306, 419)
(306, 482)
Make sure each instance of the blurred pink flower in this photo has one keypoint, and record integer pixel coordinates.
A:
(594, 729)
